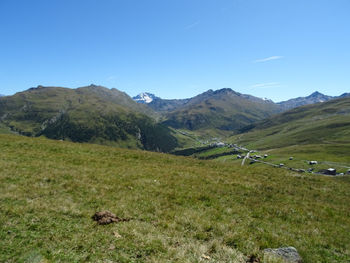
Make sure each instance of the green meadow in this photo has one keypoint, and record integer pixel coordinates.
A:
(181, 209)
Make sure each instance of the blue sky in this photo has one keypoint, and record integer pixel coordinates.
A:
(277, 49)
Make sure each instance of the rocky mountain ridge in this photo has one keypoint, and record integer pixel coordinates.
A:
(315, 97)
(167, 105)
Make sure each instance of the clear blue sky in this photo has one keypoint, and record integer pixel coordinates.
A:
(277, 49)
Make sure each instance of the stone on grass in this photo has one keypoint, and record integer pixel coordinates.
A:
(288, 254)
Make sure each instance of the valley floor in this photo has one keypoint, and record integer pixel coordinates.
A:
(181, 209)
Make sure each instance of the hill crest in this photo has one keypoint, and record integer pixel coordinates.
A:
(92, 114)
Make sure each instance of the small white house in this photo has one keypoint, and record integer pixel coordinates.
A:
(331, 171)
(219, 144)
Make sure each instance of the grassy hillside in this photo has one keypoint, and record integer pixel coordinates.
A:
(321, 123)
(90, 114)
(223, 109)
(181, 209)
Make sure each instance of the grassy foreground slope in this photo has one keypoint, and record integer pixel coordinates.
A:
(182, 209)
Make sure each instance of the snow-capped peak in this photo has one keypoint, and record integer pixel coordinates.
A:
(267, 99)
(144, 97)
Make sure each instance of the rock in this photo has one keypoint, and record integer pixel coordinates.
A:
(106, 217)
(288, 254)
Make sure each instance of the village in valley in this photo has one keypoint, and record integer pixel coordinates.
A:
(183, 131)
(215, 149)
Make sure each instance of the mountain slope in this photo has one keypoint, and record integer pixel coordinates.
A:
(344, 95)
(327, 122)
(158, 104)
(181, 209)
(223, 109)
(117, 97)
(311, 99)
(88, 114)
(165, 106)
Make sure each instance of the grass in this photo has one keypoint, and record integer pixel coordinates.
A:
(4, 129)
(215, 153)
(321, 123)
(91, 114)
(186, 139)
(181, 208)
(328, 156)
(313, 132)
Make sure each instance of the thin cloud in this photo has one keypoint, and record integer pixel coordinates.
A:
(112, 78)
(192, 25)
(268, 59)
(267, 85)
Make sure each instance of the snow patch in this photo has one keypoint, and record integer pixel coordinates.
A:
(144, 97)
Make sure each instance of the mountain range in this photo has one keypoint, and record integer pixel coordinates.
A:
(96, 114)
(315, 97)
(88, 114)
(159, 104)
(222, 109)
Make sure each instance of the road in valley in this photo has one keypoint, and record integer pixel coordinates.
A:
(246, 157)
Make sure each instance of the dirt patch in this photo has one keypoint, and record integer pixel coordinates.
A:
(253, 259)
(106, 217)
